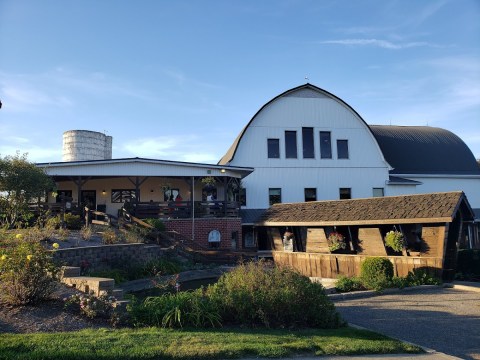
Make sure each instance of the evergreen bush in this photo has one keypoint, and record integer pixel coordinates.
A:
(376, 273)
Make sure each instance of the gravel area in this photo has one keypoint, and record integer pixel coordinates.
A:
(447, 320)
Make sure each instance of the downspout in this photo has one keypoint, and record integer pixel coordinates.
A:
(193, 208)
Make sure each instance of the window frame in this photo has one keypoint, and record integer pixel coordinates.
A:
(269, 153)
(123, 197)
(305, 194)
(288, 146)
(343, 141)
(379, 188)
(341, 194)
(322, 152)
(308, 139)
(270, 196)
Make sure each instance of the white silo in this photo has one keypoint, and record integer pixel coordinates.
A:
(86, 145)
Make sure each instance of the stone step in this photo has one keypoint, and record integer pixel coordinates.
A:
(70, 271)
(89, 284)
(121, 305)
(117, 293)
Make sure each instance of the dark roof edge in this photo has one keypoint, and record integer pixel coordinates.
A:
(81, 162)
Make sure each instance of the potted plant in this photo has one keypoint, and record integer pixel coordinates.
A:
(336, 241)
(394, 240)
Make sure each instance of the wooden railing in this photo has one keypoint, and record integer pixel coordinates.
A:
(183, 209)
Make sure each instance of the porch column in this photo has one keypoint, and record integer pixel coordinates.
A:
(137, 183)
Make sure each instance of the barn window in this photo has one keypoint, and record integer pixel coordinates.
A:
(342, 149)
(310, 194)
(307, 140)
(291, 144)
(273, 148)
(378, 192)
(345, 193)
(325, 145)
(274, 195)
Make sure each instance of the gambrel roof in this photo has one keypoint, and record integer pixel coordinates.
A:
(424, 150)
(422, 208)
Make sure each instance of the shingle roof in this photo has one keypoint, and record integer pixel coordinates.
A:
(250, 216)
(423, 208)
(424, 150)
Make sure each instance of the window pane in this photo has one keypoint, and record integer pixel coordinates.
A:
(342, 149)
(310, 194)
(325, 145)
(345, 193)
(307, 138)
(273, 148)
(291, 144)
(243, 196)
(274, 196)
(120, 195)
(378, 192)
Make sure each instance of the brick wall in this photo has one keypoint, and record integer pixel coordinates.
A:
(96, 256)
(226, 227)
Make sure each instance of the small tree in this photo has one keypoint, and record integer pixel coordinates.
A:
(20, 182)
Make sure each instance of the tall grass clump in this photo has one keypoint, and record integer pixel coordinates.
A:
(254, 294)
(177, 310)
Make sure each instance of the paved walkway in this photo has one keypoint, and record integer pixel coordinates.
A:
(444, 319)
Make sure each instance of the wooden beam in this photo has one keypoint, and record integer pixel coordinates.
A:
(356, 222)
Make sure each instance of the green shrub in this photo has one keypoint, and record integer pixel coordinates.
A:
(53, 222)
(468, 264)
(376, 273)
(188, 308)
(27, 273)
(73, 222)
(156, 223)
(347, 284)
(161, 266)
(255, 295)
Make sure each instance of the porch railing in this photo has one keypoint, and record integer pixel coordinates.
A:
(183, 209)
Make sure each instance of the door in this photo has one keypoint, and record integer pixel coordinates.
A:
(88, 198)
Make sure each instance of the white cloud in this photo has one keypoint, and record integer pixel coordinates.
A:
(34, 153)
(377, 43)
(184, 148)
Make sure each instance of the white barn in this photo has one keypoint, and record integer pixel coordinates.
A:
(306, 144)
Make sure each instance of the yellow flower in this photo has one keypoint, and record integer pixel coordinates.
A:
(4, 257)
(18, 236)
(29, 257)
(55, 245)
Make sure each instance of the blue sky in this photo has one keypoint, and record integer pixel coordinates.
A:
(178, 80)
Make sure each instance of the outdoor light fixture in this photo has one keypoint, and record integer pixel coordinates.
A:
(222, 171)
(103, 192)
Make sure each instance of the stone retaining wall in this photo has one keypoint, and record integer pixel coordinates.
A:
(97, 256)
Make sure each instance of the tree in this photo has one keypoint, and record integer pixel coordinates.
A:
(20, 183)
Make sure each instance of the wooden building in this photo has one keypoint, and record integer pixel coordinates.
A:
(433, 226)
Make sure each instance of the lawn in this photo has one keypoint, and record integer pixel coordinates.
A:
(156, 343)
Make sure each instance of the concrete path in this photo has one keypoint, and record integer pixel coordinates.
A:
(444, 319)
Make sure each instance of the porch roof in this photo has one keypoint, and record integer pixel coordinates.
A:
(140, 167)
(422, 208)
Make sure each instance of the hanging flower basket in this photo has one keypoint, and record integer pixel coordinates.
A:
(336, 241)
(394, 239)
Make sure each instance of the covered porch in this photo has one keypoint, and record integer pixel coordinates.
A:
(148, 188)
